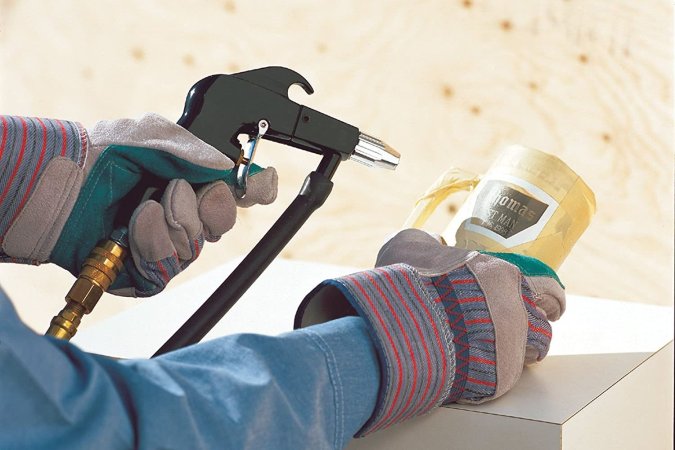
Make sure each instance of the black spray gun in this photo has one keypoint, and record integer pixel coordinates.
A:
(218, 109)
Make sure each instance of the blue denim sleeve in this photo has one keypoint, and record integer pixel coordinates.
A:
(313, 388)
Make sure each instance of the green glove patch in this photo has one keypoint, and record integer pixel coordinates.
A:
(529, 266)
(117, 172)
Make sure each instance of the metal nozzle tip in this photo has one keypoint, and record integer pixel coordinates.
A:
(375, 153)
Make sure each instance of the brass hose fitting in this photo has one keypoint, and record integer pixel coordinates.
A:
(98, 272)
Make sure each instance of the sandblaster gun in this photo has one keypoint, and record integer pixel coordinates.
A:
(219, 109)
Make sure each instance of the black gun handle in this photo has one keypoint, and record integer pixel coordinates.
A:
(313, 194)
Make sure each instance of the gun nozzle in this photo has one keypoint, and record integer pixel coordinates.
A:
(373, 152)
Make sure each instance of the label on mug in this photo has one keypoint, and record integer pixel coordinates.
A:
(508, 210)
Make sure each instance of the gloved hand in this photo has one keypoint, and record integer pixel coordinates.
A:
(68, 185)
(450, 325)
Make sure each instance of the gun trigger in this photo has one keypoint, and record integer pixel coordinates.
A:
(276, 78)
(245, 160)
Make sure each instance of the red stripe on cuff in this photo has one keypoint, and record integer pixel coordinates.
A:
(481, 360)
(463, 281)
(26, 194)
(165, 274)
(3, 141)
(470, 300)
(477, 381)
(539, 330)
(408, 346)
(384, 327)
(441, 345)
(529, 301)
(427, 355)
(64, 136)
(24, 136)
(475, 321)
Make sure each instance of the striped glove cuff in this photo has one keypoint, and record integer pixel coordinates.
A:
(434, 336)
(29, 148)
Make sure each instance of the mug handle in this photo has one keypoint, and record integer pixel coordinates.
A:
(451, 182)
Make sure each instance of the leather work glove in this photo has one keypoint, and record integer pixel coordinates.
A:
(449, 325)
(62, 189)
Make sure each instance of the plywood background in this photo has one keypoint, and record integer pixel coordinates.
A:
(447, 83)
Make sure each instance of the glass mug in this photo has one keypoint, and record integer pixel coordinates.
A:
(528, 202)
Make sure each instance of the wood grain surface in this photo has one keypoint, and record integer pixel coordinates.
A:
(447, 83)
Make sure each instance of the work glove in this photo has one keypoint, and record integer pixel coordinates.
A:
(64, 189)
(449, 325)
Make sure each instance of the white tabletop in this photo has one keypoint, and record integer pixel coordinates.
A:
(596, 343)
